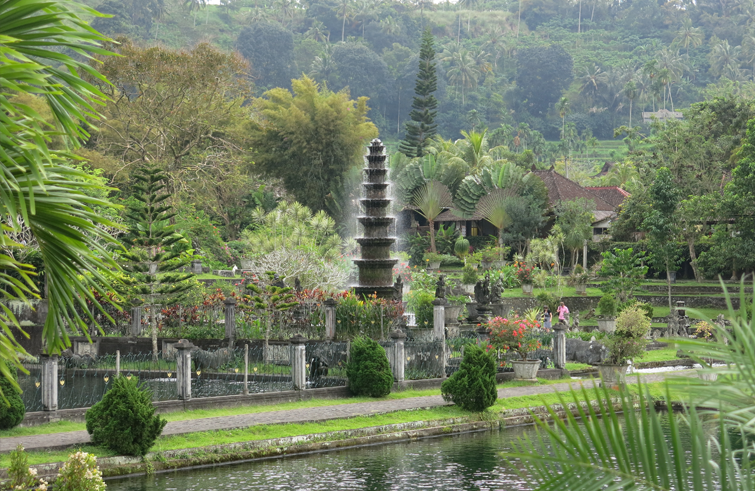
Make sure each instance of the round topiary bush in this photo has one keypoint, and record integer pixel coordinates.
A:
(12, 409)
(472, 387)
(124, 420)
(368, 370)
(607, 306)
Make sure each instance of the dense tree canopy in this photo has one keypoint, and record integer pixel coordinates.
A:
(310, 138)
(269, 47)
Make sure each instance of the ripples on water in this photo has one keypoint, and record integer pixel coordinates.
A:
(465, 462)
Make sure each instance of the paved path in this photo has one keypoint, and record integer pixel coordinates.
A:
(302, 415)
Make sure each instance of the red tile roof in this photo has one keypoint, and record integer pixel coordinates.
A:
(612, 195)
(563, 189)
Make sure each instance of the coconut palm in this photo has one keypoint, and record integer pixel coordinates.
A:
(562, 106)
(463, 71)
(603, 452)
(748, 49)
(318, 32)
(630, 92)
(688, 35)
(431, 199)
(724, 60)
(39, 191)
(592, 80)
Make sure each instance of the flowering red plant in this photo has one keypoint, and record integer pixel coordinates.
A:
(514, 335)
(524, 272)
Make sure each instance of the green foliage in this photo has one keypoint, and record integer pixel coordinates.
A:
(469, 275)
(40, 191)
(461, 248)
(368, 370)
(431, 199)
(314, 129)
(628, 341)
(624, 272)
(422, 126)
(574, 219)
(21, 477)
(125, 420)
(548, 299)
(445, 238)
(473, 386)
(12, 408)
(607, 305)
(294, 226)
(418, 245)
(645, 307)
(543, 73)
(420, 302)
(80, 473)
(270, 50)
(363, 316)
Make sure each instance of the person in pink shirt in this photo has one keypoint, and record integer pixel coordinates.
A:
(563, 311)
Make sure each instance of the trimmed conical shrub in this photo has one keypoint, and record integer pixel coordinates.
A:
(124, 420)
(11, 412)
(368, 370)
(472, 387)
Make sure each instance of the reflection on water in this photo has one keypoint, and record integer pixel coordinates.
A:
(465, 462)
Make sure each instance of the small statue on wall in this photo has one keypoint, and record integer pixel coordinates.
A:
(440, 287)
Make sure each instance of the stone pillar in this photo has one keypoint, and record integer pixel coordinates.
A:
(183, 368)
(330, 319)
(230, 320)
(117, 362)
(136, 320)
(559, 346)
(499, 309)
(196, 267)
(396, 355)
(299, 362)
(439, 319)
(246, 369)
(49, 382)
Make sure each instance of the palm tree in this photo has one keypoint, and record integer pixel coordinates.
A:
(748, 49)
(39, 191)
(344, 9)
(630, 92)
(430, 200)
(603, 452)
(323, 67)
(687, 35)
(563, 108)
(494, 208)
(317, 31)
(724, 60)
(462, 71)
(592, 79)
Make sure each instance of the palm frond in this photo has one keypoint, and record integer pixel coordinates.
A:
(431, 199)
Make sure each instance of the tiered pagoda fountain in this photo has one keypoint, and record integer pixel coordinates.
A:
(376, 265)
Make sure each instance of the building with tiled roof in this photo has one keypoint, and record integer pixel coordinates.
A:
(613, 195)
(563, 189)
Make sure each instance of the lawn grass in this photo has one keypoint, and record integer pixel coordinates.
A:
(64, 426)
(573, 367)
(264, 432)
(665, 354)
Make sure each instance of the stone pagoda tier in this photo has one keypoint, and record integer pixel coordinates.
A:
(376, 265)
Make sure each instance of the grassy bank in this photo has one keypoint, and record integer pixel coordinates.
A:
(266, 432)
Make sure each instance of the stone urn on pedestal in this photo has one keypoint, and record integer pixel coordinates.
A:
(515, 336)
(607, 313)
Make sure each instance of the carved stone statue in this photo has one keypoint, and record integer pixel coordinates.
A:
(440, 287)
(486, 288)
(398, 289)
(297, 285)
(277, 281)
(496, 290)
(478, 295)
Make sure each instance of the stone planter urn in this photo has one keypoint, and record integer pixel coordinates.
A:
(607, 325)
(581, 288)
(433, 265)
(526, 369)
(527, 288)
(468, 289)
(486, 264)
(499, 264)
(707, 376)
(452, 313)
(613, 375)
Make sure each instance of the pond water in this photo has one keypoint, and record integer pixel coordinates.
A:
(463, 462)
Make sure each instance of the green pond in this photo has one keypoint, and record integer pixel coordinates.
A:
(464, 462)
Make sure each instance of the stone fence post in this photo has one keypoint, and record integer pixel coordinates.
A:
(299, 362)
(230, 320)
(49, 382)
(330, 319)
(136, 320)
(559, 346)
(439, 319)
(396, 355)
(183, 368)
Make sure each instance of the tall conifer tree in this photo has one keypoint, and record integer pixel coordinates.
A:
(424, 107)
(154, 257)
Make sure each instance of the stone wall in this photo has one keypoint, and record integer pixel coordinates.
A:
(588, 303)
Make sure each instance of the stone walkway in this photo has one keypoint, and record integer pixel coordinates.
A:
(58, 441)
